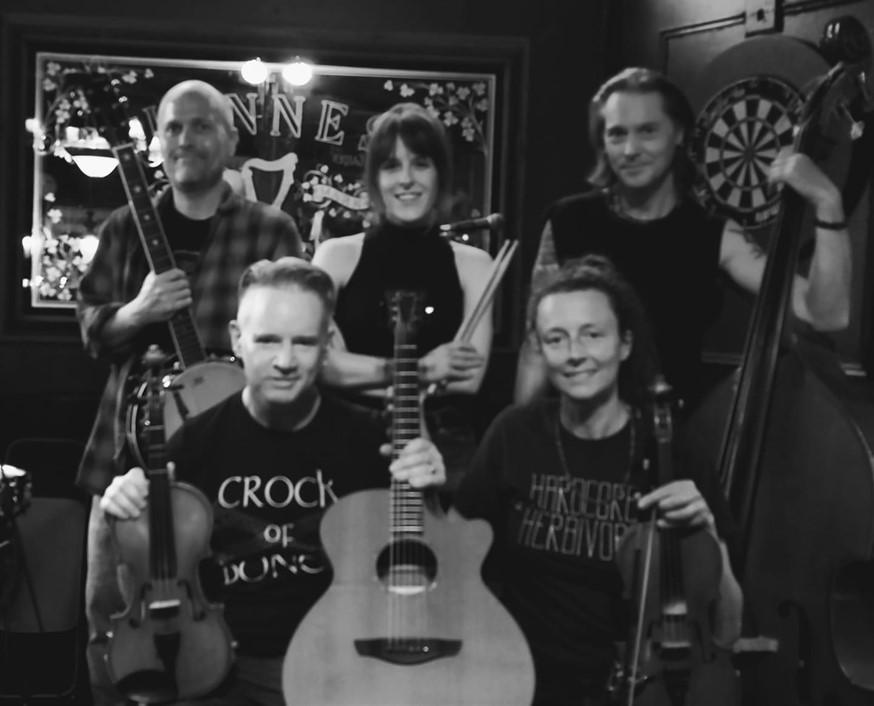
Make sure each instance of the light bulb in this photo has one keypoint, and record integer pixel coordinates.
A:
(298, 72)
(254, 71)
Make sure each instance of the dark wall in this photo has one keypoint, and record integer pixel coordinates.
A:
(48, 387)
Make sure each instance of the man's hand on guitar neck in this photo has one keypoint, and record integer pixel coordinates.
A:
(419, 463)
(160, 297)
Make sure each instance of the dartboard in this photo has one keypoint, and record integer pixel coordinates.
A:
(737, 135)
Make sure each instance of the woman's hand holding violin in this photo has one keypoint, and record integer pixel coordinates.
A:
(679, 504)
(450, 362)
(127, 495)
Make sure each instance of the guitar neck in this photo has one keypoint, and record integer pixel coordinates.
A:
(186, 341)
(406, 517)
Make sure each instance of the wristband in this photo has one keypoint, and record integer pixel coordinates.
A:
(830, 225)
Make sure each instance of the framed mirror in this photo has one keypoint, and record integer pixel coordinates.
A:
(302, 142)
(301, 146)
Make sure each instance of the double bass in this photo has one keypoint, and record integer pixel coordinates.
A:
(795, 456)
(671, 578)
(169, 643)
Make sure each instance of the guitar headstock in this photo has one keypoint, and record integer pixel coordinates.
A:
(108, 104)
(406, 314)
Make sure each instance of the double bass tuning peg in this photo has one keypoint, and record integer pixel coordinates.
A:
(845, 39)
(857, 127)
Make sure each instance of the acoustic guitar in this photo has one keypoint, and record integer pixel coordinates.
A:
(407, 619)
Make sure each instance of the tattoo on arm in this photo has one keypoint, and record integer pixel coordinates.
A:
(755, 249)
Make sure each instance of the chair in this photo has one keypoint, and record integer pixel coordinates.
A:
(43, 631)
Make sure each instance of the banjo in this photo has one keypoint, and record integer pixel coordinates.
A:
(195, 381)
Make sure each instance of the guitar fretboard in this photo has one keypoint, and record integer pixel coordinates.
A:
(186, 341)
(406, 518)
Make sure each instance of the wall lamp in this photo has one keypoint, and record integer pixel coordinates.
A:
(297, 72)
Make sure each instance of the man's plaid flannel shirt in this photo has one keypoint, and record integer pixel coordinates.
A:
(241, 233)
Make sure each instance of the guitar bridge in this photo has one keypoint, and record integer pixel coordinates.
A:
(163, 610)
(407, 650)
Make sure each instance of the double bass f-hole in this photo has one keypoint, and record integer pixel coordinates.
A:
(671, 576)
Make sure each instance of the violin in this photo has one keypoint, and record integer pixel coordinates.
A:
(169, 643)
(671, 576)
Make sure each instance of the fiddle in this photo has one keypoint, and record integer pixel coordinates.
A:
(671, 576)
(169, 643)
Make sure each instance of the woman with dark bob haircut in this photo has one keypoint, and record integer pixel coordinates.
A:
(408, 178)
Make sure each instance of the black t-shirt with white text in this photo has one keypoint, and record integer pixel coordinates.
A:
(559, 505)
(269, 489)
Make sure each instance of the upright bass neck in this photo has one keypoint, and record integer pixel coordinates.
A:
(745, 430)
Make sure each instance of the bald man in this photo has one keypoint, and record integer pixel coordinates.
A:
(123, 306)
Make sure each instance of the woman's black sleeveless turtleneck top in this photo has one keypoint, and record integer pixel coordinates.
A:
(400, 258)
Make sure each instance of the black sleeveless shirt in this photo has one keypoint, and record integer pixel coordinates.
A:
(395, 258)
(673, 263)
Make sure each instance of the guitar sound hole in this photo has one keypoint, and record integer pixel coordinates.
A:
(407, 566)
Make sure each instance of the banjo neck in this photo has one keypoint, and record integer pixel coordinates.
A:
(186, 340)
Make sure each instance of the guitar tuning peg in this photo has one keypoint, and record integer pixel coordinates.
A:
(857, 127)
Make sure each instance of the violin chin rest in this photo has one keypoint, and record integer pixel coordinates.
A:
(149, 687)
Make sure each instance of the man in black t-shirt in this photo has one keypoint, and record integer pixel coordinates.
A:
(271, 459)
